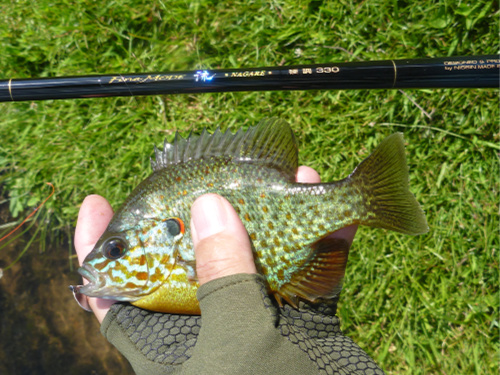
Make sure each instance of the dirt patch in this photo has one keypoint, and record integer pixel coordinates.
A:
(42, 330)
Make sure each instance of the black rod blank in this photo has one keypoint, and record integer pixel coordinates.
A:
(445, 72)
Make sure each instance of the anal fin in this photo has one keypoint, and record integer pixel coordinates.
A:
(321, 276)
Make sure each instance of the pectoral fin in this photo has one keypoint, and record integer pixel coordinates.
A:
(321, 276)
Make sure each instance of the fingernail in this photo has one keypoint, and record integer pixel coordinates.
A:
(208, 217)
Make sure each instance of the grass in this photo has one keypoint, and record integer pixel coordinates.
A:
(417, 305)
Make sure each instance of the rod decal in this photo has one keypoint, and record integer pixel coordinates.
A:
(451, 65)
(148, 78)
(203, 76)
(248, 73)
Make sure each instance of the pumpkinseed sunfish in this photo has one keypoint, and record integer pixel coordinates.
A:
(146, 255)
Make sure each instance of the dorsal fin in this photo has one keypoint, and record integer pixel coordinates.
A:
(323, 274)
(270, 143)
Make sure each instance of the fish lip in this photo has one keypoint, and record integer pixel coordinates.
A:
(89, 273)
(95, 281)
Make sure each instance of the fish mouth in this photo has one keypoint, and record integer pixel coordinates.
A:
(95, 282)
(98, 287)
(88, 289)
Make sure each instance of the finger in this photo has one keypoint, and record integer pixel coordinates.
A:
(221, 242)
(309, 175)
(93, 218)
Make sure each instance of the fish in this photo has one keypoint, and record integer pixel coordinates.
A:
(146, 254)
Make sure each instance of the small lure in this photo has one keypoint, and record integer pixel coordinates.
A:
(146, 255)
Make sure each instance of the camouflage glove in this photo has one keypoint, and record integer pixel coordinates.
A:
(243, 332)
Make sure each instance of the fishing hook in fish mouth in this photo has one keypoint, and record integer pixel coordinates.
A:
(81, 299)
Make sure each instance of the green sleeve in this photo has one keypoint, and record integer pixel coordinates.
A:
(239, 333)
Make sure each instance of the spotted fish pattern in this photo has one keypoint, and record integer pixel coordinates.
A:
(146, 255)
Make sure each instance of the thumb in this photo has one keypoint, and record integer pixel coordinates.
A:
(221, 242)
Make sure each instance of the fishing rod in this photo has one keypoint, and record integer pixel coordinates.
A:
(442, 72)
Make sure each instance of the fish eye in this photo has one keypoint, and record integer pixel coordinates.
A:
(175, 226)
(114, 248)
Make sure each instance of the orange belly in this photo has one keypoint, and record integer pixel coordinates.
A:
(176, 296)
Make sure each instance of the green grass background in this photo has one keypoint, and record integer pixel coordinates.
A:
(417, 305)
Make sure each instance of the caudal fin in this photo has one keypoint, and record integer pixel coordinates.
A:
(383, 178)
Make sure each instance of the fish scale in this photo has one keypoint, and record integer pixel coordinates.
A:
(261, 225)
(146, 255)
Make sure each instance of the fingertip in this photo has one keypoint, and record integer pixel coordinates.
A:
(221, 242)
(208, 217)
(212, 214)
(93, 218)
(95, 205)
(307, 175)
